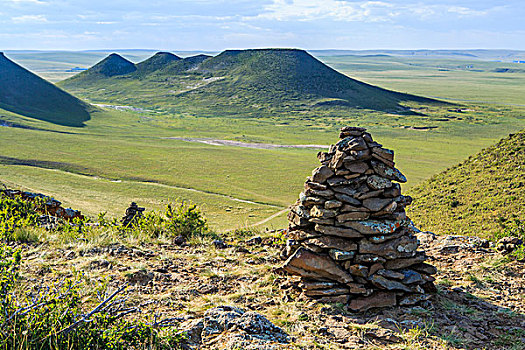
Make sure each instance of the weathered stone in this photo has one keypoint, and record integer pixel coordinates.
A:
(394, 191)
(339, 181)
(391, 274)
(312, 247)
(385, 283)
(309, 201)
(345, 190)
(315, 264)
(347, 208)
(324, 157)
(351, 131)
(384, 238)
(338, 231)
(368, 259)
(337, 160)
(357, 288)
(389, 209)
(347, 199)
(352, 176)
(413, 299)
(341, 172)
(376, 267)
(374, 227)
(356, 167)
(340, 299)
(377, 299)
(355, 143)
(321, 174)
(383, 160)
(341, 255)
(331, 242)
(396, 264)
(383, 170)
(297, 220)
(412, 277)
(325, 292)
(365, 195)
(404, 201)
(301, 210)
(359, 270)
(316, 186)
(356, 215)
(376, 204)
(425, 268)
(313, 284)
(330, 222)
(358, 155)
(332, 204)
(300, 235)
(319, 212)
(403, 247)
(384, 153)
(376, 182)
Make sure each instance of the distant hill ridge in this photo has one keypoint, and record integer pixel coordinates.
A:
(27, 94)
(239, 79)
(471, 197)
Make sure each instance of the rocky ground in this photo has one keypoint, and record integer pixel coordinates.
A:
(480, 303)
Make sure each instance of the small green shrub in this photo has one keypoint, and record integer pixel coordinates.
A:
(179, 219)
(16, 213)
(55, 317)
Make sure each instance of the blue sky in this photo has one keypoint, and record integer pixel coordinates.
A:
(216, 25)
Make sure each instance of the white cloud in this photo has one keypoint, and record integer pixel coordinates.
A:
(29, 19)
(40, 2)
(362, 11)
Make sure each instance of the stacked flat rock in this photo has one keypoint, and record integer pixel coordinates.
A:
(349, 237)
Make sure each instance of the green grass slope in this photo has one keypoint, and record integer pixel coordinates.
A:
(27, 94)
(474, 196)
(239, 81)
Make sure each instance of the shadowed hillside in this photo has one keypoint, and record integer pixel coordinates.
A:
(27, 94)
(472, 197)
(240, 81)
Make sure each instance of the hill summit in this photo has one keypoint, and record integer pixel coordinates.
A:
(111, 66)
(476, 196)
(27, 94)
(241, 82)
(158, 61)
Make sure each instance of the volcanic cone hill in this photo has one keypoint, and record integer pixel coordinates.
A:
(474, 196)
(27, 94)
(158, 61)
(237, 81)
(111, 66)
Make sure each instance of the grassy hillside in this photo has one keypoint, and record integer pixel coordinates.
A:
(240, 82)
(25, 93)
(474, 196)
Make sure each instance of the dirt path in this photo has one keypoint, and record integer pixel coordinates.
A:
(218, 142)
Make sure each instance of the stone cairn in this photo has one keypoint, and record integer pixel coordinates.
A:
(349, 237)
(132, 214)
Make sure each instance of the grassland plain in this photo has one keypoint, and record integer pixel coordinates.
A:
(131, 147)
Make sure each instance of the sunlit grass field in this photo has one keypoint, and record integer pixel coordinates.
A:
(123, 156)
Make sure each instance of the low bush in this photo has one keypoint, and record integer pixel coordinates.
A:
(53, 317)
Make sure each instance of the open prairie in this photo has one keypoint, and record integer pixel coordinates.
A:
(137, 152)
